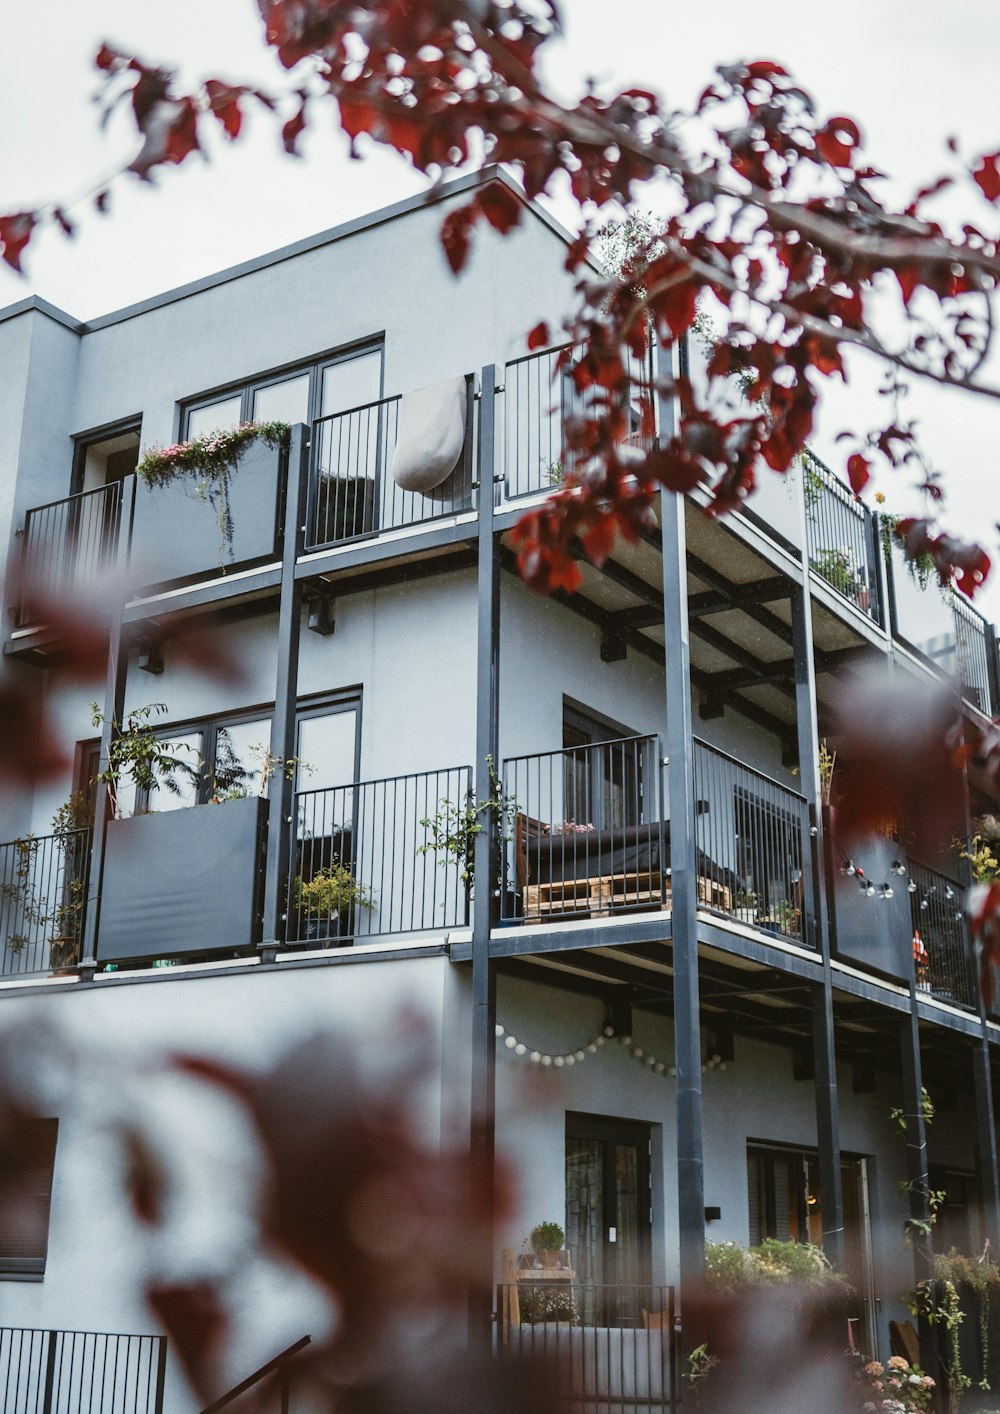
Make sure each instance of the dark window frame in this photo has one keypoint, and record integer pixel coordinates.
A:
(82, 441)
(344, 699)
(315, 367)
(32, 1268)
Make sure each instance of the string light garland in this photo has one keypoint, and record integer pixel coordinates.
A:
(645, 1058)
(886, 891)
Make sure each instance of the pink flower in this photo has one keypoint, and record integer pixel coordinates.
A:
(896, 1362)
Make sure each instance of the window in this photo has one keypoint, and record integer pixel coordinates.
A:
(784, 1200)
(24, 1235)
(222, 759)
(300, 395)
(603, 771)
(105, 458)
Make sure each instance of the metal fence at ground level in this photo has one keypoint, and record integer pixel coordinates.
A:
(609, 1349)
(80, 1372)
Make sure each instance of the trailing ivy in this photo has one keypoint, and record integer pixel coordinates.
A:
(209, 463)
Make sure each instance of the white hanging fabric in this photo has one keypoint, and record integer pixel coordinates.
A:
(430, 435)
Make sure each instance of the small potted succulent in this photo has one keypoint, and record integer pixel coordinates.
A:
(548, 1242)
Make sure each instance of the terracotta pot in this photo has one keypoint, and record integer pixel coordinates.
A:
(551, 1259)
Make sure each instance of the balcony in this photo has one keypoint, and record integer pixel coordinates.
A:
(353, 494)
(43, 896)
(841, 539)
(69, 548)
(587, 836)
(369, 860)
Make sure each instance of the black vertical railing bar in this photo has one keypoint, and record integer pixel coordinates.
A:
(43, 894)
(68, 545)
(753, 844)
(365, 864)
(938, 914)
(840, 537)
(583, 830)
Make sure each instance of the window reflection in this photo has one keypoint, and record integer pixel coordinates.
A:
(287, 401)
(240, 753)
(224, 413)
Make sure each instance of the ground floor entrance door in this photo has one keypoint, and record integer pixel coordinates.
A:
(609, 1216)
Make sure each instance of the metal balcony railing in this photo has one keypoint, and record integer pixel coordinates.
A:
(937, 911)
(972, 653)
(840, 537)
(607, 1349)
(43, 895)
(539, 400)
(80, 1372)
(352, 493)
(753, 844)
(583, 831)
(69, 546)
(386, 856)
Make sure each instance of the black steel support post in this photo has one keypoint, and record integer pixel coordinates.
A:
(816, 917)
(114, 710)
(918, 1183)
(683, 898)
(482, 1130)
(283, 724)
(987, 1141)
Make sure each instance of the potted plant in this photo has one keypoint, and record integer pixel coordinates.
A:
(548, 1242)
(745, 903)
(542, 1305)
(327, 901)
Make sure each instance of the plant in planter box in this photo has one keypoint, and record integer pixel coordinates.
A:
(209, 463)
(745, 903)
(137, 753)
(331, 895)
(547, 1241)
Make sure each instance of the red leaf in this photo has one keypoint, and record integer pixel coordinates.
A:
(292, 130)
(15, 233)
(987, 176)
(858, 472)
(500, 207)
(766, 69)
(456, 230)
(909, 277)
(224, 103)
(837, 140)
(539, 336)
(106, 58)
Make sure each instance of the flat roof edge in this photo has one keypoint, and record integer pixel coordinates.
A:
(368, 221)
(35, 304)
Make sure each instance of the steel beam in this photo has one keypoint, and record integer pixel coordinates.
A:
(274, 924)
(816, 919)
(114, 711)
(684, 893)
(482, 1129)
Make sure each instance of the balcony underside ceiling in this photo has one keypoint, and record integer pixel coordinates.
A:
(758, 1003)
(740, 624)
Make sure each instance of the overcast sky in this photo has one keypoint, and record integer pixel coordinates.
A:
(911, 71)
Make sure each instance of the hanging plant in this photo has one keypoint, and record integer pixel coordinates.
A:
(209, 462)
